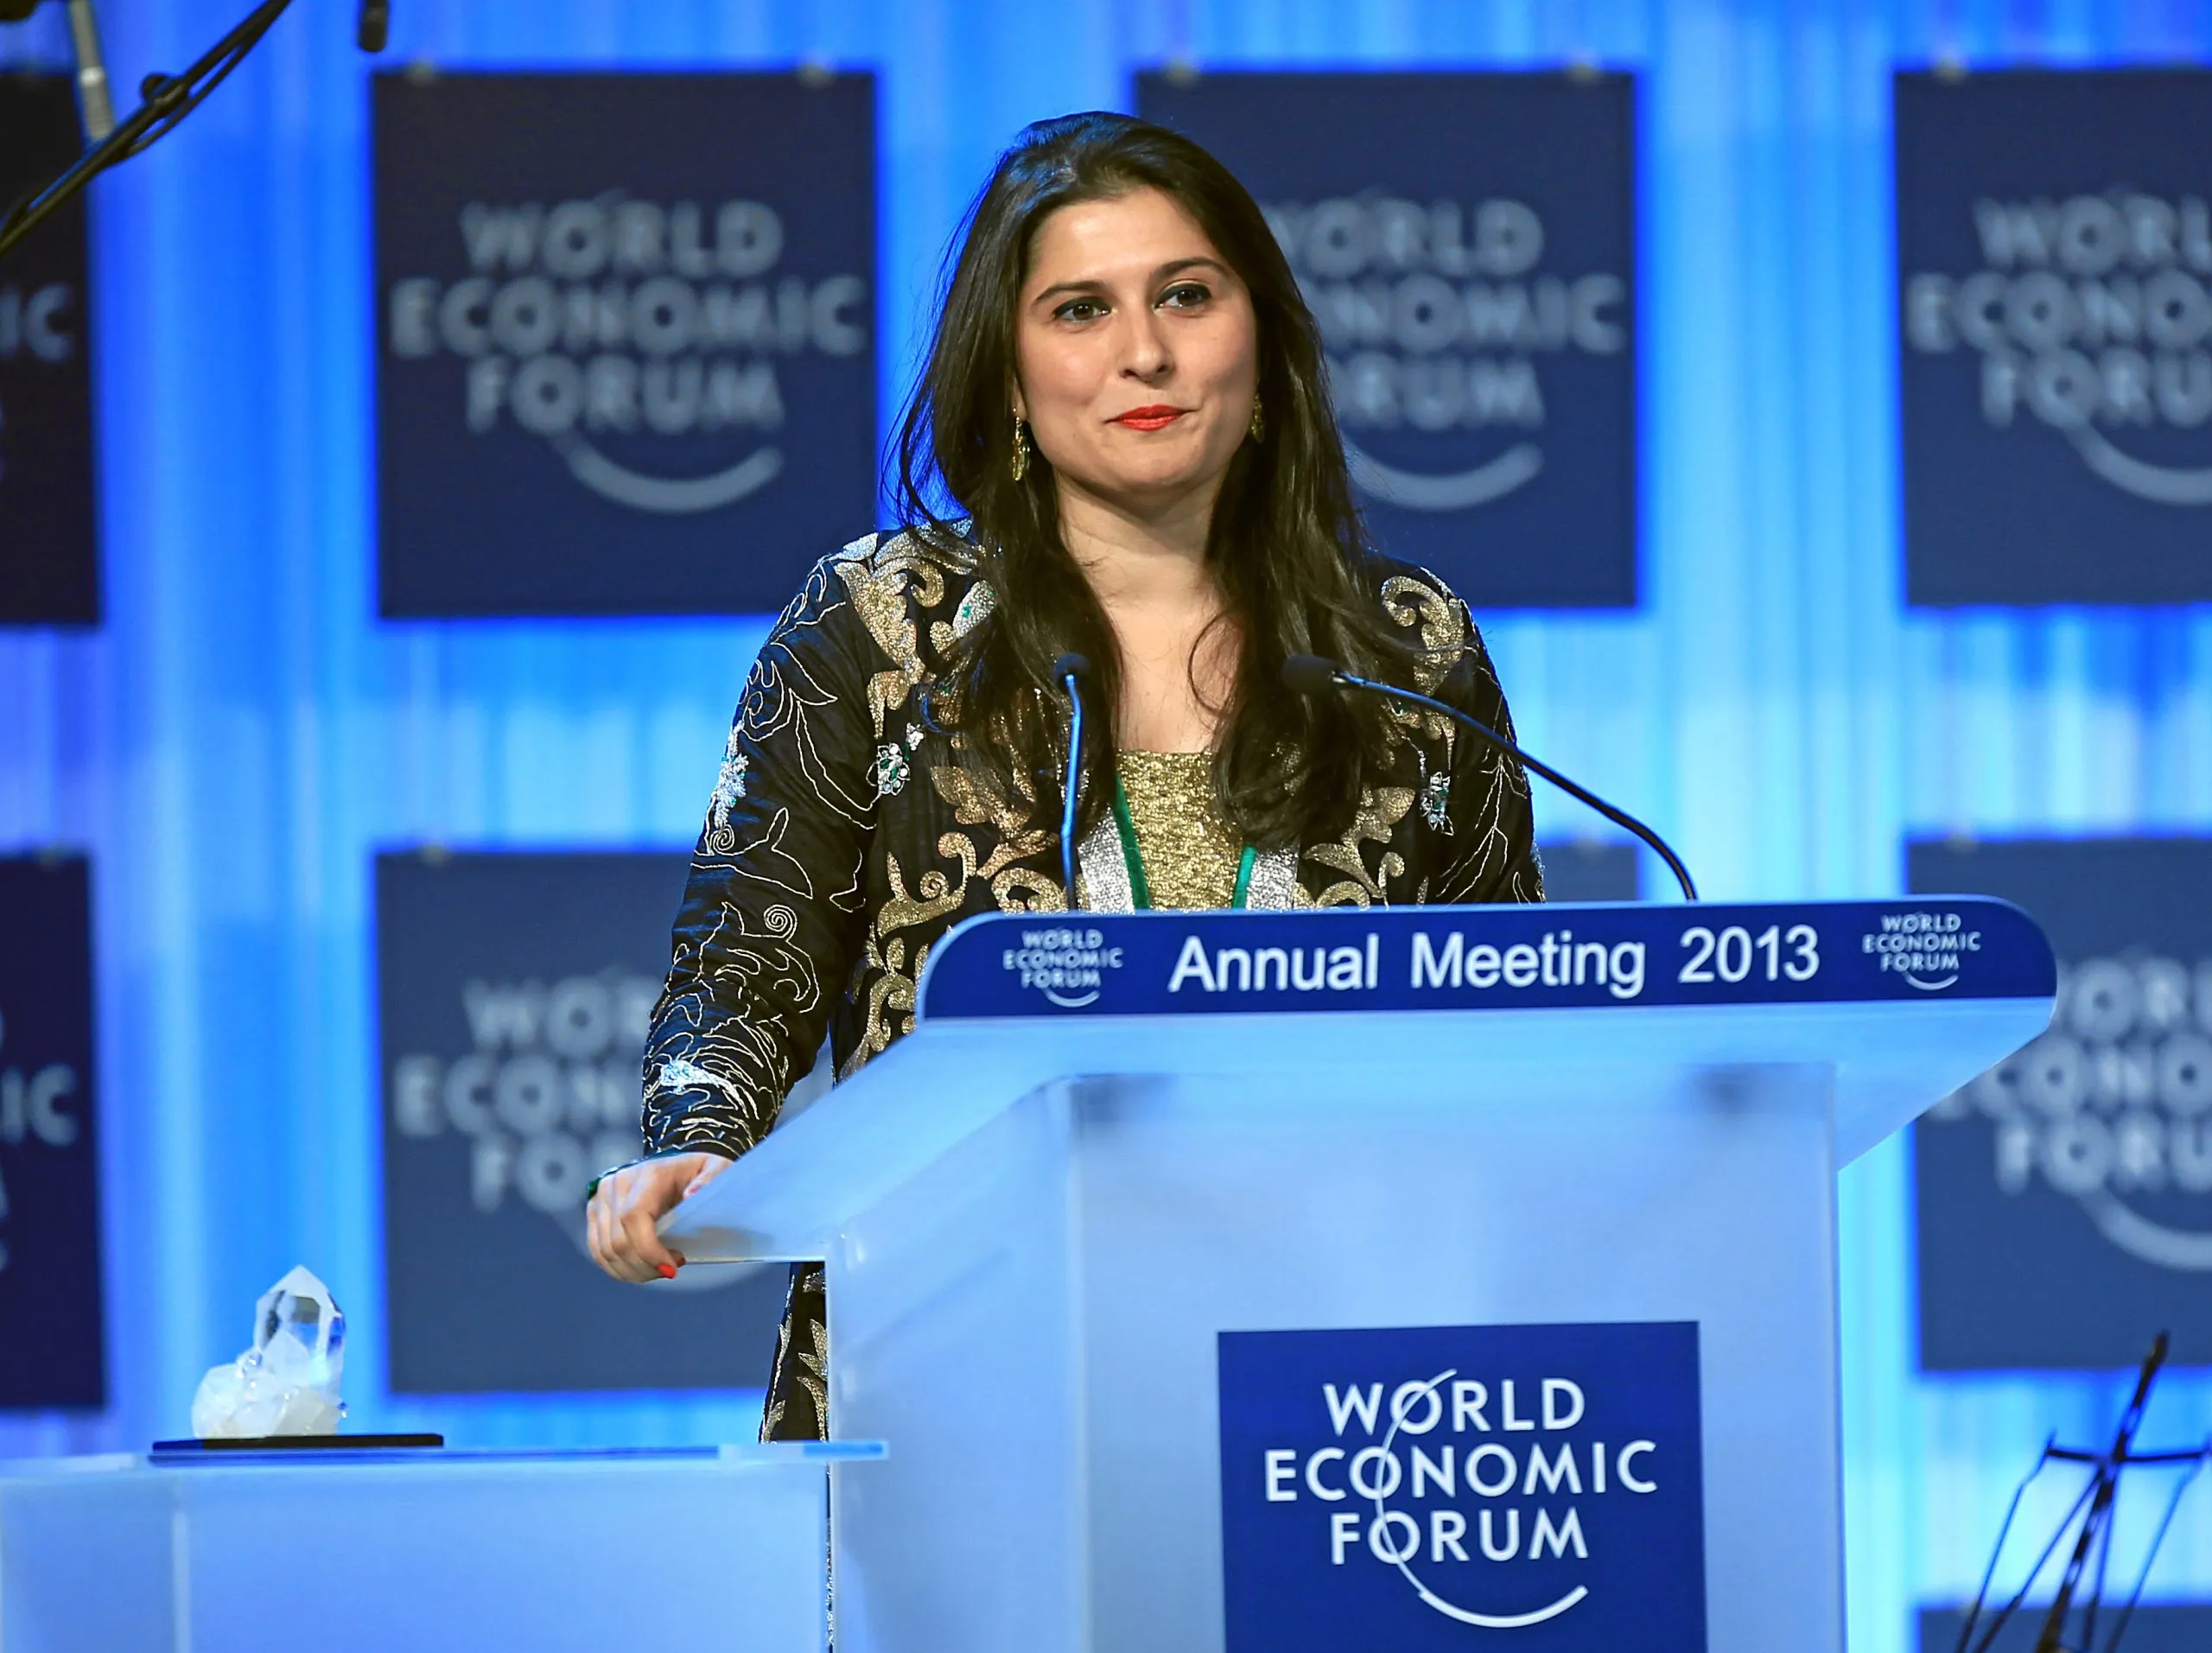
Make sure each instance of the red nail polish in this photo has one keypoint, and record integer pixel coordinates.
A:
(668, 1271)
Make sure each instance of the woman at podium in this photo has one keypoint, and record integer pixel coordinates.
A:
(1121, 448)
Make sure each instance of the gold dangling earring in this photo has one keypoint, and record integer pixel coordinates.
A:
(1259, 424)
(1019, 467)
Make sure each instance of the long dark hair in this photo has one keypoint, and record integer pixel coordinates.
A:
(1286, 544)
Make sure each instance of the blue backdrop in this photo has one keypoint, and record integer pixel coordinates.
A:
(513, 995)
(46, 489)
(1468, 244)
(520, 469)
(2079, 417)
(243, 736)
(2063, 1202)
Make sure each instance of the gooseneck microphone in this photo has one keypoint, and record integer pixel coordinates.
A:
(1309, 674)
(1069, 672)
(373, 30)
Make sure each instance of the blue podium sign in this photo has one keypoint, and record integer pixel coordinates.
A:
(2064, 1199)
(52, 1341)
(1410, 1488)
(2055, 253)
(626, 330)
(48, 563)
(1486, 957)
(1468, 244)
(514, 991)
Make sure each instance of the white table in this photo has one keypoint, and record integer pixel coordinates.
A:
(703, 1547)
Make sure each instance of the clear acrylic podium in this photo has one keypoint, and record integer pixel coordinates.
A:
(1112, 1139)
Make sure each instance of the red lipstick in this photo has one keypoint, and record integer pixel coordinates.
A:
(1156, 417)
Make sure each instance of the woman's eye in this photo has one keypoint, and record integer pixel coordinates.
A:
(1185, 295)
(1080, 309)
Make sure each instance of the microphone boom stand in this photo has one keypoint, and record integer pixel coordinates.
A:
(167, 99)
(2081, 1579)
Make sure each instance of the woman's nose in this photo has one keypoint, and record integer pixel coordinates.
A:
(1146, 355)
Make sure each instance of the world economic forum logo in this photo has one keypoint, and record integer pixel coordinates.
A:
(2090, 316)
(1405, 1488)
(545, 1096)
(38, 327)
(2113, 1106)
(1437, 317)
(1068, 964)
(1928, 951)
(617, 326)
(39, 1104)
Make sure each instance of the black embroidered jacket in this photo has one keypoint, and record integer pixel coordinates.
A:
(844, 838)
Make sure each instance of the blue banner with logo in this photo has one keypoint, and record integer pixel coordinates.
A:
(2064, 1199)
(514, 991)
(1468, 244)
(2155, 1627)
(627, 338)
(2055, 250)
(1413, 1487)
(1486, 957)
(52, 1337)
(49, 565)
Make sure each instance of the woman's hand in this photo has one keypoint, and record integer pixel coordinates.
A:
(631, 1200)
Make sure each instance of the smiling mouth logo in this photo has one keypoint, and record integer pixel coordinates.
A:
(1429, 1598)
(2163, 484)
(2089, 312)
(667, 496)
(1455, 491)
(2140, 1236)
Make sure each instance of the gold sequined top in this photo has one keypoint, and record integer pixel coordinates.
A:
(1189, 852)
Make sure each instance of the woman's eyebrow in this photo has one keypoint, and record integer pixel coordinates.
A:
(1093, 284)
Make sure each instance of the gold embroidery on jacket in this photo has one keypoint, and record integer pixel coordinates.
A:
(1381, 809)
(975, 803)
(889, 1012)
(887, 578)
(1445, 627)
(1014, 887)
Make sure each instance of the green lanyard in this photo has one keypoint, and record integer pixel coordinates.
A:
(1132, 858)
